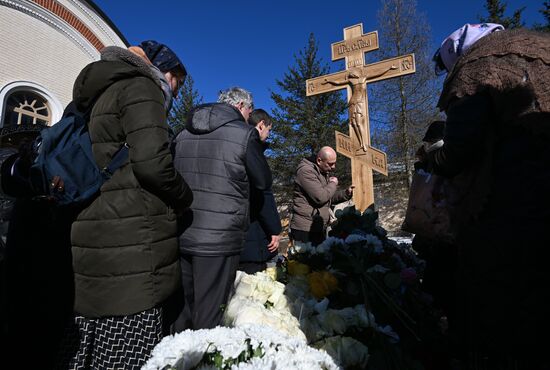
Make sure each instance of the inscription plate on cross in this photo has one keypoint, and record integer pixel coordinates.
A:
(373, 157)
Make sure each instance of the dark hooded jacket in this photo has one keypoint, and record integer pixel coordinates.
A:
(220, 156)
(125, 251)
(264, 222)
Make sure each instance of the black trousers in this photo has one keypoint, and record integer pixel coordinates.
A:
(206, 282)
(315, 238)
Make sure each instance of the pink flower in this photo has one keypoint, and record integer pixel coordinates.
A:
(408, 275)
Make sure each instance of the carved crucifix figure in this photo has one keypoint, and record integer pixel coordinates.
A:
(355, 78)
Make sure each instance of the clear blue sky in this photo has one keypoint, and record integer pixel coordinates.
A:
(251, 43)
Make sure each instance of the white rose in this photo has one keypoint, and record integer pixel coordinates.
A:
(252, 313)
(313, 329)
(365, 319)
(300, 247)
(321, 306)
(332, 322)
(233, 308)
(246, 286)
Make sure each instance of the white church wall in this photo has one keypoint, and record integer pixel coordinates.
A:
(41, 50)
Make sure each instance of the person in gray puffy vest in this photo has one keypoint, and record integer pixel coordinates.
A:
(221, 157)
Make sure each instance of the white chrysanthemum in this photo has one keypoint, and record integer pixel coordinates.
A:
(281, 352)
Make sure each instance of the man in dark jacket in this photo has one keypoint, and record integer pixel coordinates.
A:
(124, 245)
(262, 239)
(221, 158)
(496, 143)
(314, 193)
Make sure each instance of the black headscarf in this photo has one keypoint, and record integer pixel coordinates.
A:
(162, 57)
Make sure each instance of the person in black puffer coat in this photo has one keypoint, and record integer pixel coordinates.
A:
(221, 158)
(124, 244)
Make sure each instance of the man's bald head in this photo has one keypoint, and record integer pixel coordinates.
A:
(326, 159)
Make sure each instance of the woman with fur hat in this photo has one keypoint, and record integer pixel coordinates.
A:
(497, 144)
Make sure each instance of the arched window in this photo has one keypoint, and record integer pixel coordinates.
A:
(27, 108)
(27, 103)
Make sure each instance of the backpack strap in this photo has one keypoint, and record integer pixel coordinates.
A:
(116, 162)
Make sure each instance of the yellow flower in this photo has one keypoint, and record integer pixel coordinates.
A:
(297, 268)
(322, 283)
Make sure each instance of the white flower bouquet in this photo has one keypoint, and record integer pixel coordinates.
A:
(246, 347)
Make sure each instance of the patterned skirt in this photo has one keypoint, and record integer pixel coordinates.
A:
(112, 343)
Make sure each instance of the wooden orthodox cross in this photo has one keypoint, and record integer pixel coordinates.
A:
(364, 158)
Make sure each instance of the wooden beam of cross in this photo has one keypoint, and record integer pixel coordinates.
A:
(355, 78)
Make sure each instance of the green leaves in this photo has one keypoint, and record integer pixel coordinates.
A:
(214, 357)
(496, 9)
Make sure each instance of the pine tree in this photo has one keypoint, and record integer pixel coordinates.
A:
(187, 99)
(545, 11)
(403, 107)
(302, 125)
(496, 10)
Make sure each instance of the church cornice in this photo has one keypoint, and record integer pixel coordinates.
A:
(60, 19)
(62, 12)
(93, 17)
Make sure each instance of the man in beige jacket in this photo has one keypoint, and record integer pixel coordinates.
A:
(314, 193)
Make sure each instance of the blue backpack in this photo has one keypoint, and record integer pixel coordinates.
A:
(65, 150)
